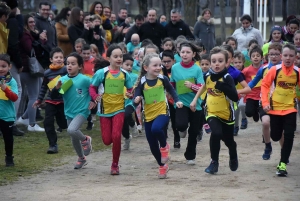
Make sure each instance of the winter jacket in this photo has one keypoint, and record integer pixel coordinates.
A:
(3, 38)
(133, 30)
(63, 39)
(205, 31)
(243, 36)
(78, 31)
(180, 28)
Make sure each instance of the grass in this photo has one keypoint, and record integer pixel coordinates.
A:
(31, 157)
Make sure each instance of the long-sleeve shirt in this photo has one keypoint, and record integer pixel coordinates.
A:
(250, 73)
(7, 107)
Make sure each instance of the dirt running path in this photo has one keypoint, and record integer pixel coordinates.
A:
(254, 180)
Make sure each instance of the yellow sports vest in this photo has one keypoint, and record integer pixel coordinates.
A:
(284, 94)
(113, 97)
(216, 102)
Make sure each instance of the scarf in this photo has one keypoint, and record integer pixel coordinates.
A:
(6, 77)
(56, 67)
(214, 76)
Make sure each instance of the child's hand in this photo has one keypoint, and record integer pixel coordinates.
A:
(193, 106)
(98, 99)
(137, 99)
(129, 95)
(3, 85)
(267, 108)
(92, 105)
(188, 84)
(58, 85)
(179, 104)
(36, 104)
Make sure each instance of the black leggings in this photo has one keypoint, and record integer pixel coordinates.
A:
(128, 121)
(252, 107)
(184, 116)
(286, 123)
(173, 122)
(221, 131)
(7, 132)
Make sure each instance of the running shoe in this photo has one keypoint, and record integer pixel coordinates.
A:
(281, 170)
(236, 131)
(80, 163)
(87, 145)
(114, 170)
(165, 153)
(244, 123)
(190, 162)
(213, 167)
(233, 164)
(207, 129)
(267, 153)
(126, 145)
(177, 145)
(163, 170)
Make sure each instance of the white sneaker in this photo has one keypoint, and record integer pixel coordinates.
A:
(139, 129)
(182, 134)
(94, 117)
(22, 121)
(126, 145)
(35, 128)
(133, 130)
(190, 162)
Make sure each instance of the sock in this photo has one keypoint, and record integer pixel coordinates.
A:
(268, 145)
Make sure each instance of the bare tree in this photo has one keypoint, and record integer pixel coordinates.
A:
(233, 4)
(223, 22)
(168, 7)
(190, 10)
(284, 9)
(143, 6)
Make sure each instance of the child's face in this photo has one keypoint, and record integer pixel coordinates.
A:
(205, 65)
(154, 67)
(78, 48)
(4, 68)
(135, 40)
(297, 60)
(167, 45)
(141, 57)
(135, 54)
(238, 63)
(150, 50)
(274, 56)
(93, 53)
(293, 28)
(116, 58)
(167, 62)
(218, 62)
(72, 66)
(127, 65)
(297, 40)
(288, 57)
(252, 46)
(232, 44)
(256, 58)
(57, 59)
(86, 55)
(187, 54)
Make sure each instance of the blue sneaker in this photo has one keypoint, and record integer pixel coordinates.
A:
(267, 154)
(212, 168)
(244, 123)
(236, 131)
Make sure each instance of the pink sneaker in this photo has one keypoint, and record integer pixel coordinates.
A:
(207, 129)
(114, 169)
(87, 145)
(165, 153)
(163, 170)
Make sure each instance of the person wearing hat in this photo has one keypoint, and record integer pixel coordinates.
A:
(15, 26)
(247, 32)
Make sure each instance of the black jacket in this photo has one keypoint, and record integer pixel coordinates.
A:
(153, 31)
(13, 24)
(133, 30)
(78, 31)
(180, 28)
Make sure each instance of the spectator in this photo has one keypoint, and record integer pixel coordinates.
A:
(98, 33)
(122, 15)
(4, 12)
(109, 33)
(61, 26)
(204, 30)
(152, 29)
(97, 8)
(78, 29)
(246, 33)
(293, 26)
(123, 26)
(43, 24)
(163, 20)
(177, 27)
(139, 20)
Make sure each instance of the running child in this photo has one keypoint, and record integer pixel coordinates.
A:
(232, 42)
(280, 103)
(168, 44)
(74, 88)
(251, 44)
(297, 39)
(8, 95)
(107, 89)
(134, 43)
(221, 95)
(79, 43)
(178, 41)
(54, 107)
(152, 84)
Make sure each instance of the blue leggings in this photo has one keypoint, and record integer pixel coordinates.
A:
(155, 133)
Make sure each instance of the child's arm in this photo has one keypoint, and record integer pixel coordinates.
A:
(97, 79)
(228, 88)
(55, 90)
(198, 94)
(43, 91)
(256, 79)
(138, 93)
(172, 92)
(265, 88)
(8, 93)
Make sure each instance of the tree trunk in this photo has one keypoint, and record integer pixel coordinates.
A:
(168, 7)
(284, 9)
(110, 4)
(293, 8)
(190, 11)
(233, 5)
(223, 22)
(143, 6)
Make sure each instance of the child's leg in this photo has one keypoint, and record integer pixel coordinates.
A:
(251, 109)
(228, 139)
(182, 118)
(265, 120)
(117, 125)
(60, 117)
(6, 129)
(50, 113)
(76, 135)
(215, 137)
(128, 121)
(173, 122)
(237, 117)
(106, 129)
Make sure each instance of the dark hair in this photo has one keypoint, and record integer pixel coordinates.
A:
(229, 49)
(26, 18)
(139, 17)
(152, 9)
(200, 44)
(167, 53)
(4, 9)
(74, 17)
(5, 57)
(107, 7)
(205, 57)
(246, 17)
(205, 10)
(151, 46)
(217, 50)
(290, 46)
(44, 3)
(127, 57)
(78, 57)
(111, 48)
(145, 14)
(275, 46)
(294, 21)
(146, 42)
(230, 38)
(32, 14)
(92, 8)
(194, 48)
(253, 41)
(256, 49)
(55, 50)
(86, 47)
(239, 55)
(167, 40)
(100, 63)
(62, 14)
(122, 9)
(282, 36)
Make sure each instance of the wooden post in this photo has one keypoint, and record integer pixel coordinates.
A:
(237, 14)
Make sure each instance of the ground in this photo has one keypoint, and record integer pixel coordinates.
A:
(254, 180)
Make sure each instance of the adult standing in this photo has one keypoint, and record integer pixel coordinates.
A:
(276, 35)
(139, 20)
(43, 24)
(4, 12)
(152, 29)
(14, 21)
(61, 26)
(31, 40)
(246, 33)
(97, 8)
(177, 26)
(204, 30)
(78, 29)
(123, 26)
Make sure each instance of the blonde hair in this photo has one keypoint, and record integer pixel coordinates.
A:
(95, 49)
(146, 62)
(80, 40)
